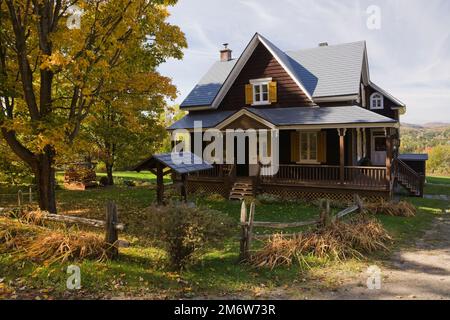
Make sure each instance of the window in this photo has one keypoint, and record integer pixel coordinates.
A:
(308, 147)
(261, 91)
(380, 144)
(376, 101)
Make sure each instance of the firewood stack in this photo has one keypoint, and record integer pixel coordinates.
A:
(80, 177)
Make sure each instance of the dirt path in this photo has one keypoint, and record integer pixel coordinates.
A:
(420, 273)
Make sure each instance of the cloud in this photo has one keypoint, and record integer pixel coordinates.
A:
(260, 10)
(409, 56)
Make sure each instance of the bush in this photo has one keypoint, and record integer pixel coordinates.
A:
(439, 162)
(186, 231)
(267, 198)
(104, 181)
(215, 197)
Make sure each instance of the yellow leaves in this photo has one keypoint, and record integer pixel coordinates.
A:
(56, 61)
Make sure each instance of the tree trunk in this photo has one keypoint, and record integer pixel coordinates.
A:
(109, 174)
(45, 179)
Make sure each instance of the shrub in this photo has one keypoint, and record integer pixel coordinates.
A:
(215, 197)
(267, 198)
(185, 231)
(439, 162)
(104, 181)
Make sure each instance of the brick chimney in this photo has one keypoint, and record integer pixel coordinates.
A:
(225, 53)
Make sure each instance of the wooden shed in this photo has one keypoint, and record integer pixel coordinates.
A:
(417, 162)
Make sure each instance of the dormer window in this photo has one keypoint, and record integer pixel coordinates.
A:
(261, 92)
(376, 101)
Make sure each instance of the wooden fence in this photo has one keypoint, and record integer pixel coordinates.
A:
(111, 226)
(21, 196)
(248, 223)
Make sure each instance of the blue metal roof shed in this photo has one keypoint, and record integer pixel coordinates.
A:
(167, 163)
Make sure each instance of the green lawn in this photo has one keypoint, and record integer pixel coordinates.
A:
(140, 270)
(439, 180)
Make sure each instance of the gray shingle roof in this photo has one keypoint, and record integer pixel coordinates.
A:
(209, 119)
(290, 116)
(183, 162)
(206, 90)
(322, 71)
(338, 68)
(413, 157)
(322, 115)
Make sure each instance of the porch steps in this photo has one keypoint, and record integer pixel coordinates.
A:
(241, 189)
(410, 188)
(408, 178)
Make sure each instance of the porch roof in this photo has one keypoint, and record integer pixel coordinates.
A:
(284, 118)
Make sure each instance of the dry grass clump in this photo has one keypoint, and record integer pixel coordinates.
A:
(15, 234)
(67, 245)
(397, 209)
(339, 241)
(40, 244)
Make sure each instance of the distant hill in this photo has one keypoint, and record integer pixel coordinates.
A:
(421, 138)
(426, 125)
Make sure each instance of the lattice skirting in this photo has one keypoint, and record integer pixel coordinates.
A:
(207, 187)
(310, 195)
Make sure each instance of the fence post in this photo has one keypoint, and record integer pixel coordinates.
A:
(19, 198)
(358, 202)
(243, 253)
(30, 194)
(112, 234)
(251, 217)
(325, 212)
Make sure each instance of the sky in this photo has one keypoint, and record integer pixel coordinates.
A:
(408, 46)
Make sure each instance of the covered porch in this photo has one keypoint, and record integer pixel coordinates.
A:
(316, 154)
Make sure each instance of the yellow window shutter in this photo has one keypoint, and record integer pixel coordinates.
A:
(322, 150)
(248, 94)
(273, 92)
(295, 146)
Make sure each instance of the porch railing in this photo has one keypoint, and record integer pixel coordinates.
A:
(361, 177)
(218, 171)
(307, 174)
(366, 177)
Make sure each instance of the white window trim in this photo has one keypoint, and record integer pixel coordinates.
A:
(372, 99)
(260, 82)
(308, 161)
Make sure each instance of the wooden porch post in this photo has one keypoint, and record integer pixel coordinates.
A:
(388, 156)
(341, 133)
(159, 184)
(183, 187)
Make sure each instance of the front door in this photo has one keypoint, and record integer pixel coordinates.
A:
(379, 154)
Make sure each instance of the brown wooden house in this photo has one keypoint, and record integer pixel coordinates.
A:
(338, 131)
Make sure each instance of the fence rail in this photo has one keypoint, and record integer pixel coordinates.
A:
(111, 225)
(20, 196)
(248, 223)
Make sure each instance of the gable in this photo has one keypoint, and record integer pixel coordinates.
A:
(262, 64)
(246, 122)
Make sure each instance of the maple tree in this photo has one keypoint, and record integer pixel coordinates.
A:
(54, 77)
